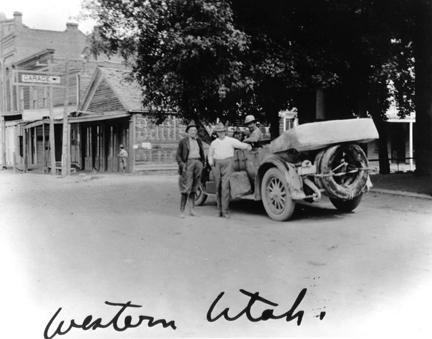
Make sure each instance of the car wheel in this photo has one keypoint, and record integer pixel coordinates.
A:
(276, 196)
(346, 205)
(200, 196)
(337, 160)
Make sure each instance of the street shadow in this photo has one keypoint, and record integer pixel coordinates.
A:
(250, 207)
(312, 211)
(303, 211)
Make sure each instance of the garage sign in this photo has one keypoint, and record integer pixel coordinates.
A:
(42, 78)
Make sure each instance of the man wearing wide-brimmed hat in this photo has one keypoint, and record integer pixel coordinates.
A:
(190, 158)
(221, 158)
(255, 133)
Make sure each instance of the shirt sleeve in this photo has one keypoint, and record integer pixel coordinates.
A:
(255, 136)
(238, 144)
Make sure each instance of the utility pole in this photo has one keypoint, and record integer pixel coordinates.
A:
(2, 112)
(65, 144)
(51, 124)
(3, 106)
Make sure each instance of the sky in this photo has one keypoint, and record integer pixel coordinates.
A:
(46, 14)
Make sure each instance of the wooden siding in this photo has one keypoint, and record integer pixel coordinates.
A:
(163, 138)
(104, 100)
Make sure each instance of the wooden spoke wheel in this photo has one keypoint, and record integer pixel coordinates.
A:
(200, 196)
(276, 196)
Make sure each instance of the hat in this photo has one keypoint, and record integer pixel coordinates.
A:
(191, 124)
(220, 127)
(121, 145)
(249, 119)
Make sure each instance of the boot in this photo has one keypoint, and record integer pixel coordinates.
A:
(191, 204)
(183, 205)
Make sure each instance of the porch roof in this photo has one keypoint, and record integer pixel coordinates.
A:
(99, 117)
(40, 123)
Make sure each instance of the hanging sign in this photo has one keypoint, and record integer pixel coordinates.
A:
(41, 78)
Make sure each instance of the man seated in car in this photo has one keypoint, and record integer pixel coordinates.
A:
(255, 133)
(238, 134)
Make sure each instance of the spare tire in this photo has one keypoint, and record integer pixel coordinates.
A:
(333, 162)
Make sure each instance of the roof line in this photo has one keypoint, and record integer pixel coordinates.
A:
(118, 95)
(35, 55)
(51, 31)
(91, 87)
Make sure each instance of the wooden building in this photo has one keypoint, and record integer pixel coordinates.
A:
(111, 114)
(27, 125)
(23, 109)
(19, 42)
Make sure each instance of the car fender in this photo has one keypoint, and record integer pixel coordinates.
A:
(294, 181)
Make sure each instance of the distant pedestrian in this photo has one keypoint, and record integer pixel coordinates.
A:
(190, 158)
(123, 156)
(221, 158)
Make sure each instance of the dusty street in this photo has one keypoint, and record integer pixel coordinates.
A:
(77, 242)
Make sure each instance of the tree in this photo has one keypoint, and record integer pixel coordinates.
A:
(352, 49)
(422, 38)
(284, 59)
(183, 53)
(269, 55)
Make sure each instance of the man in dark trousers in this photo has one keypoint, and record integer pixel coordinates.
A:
(190, 158)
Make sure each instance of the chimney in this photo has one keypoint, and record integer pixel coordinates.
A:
(17, 18)
(71, 26)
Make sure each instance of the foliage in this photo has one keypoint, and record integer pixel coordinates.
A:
(182, 52)
(354, 46)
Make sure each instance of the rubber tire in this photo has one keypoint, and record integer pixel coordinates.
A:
(324, 163)
(346, 206)
(201, 196)
(289, 207)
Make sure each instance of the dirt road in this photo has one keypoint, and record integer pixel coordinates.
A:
(77, 242)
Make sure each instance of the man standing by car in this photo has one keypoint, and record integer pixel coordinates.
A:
(255, 133)
(220, 157)
(190, 158)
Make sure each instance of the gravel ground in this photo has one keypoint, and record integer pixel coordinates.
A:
(79, 241)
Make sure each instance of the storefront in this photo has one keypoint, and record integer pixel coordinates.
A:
(96, 140)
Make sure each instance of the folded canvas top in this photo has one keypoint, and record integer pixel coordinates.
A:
(316, 135)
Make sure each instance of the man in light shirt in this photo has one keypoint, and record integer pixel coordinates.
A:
(221, 158)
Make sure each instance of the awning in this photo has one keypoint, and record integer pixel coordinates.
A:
(97, 117)
(10, 114)
(40, 113)
(41, 122)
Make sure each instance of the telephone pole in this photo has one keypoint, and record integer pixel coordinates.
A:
(65, 143)
(51, 124)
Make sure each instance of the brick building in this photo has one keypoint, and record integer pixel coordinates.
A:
(24, 110)
(28, 48)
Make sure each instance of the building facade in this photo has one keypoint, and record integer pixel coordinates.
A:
(25, 48)
(111, 114)
(26, 108)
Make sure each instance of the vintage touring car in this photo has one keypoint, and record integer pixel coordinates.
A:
(300, 165)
